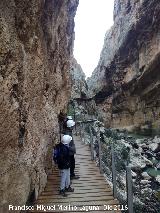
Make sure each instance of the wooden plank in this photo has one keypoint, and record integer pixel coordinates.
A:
(86, 169)
(92, 168)
(82, 188)
(83, 168)
(83, 154)
(82, 178)
(83, 173)
(86, 164)
(79, 184)
(88, 188)
(76, 195)
(87, 173)
(78, 191)
(79, 154)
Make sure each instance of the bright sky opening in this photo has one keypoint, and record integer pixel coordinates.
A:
(93, 19)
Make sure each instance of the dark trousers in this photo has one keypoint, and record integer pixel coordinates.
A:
(72, 161)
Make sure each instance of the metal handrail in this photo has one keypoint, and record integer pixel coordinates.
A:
(129, 189)
(113, 172)
(100, 153)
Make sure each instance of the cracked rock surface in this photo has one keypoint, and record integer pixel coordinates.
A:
(36, 42)
(126, 81)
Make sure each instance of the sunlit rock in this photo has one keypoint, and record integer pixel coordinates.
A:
(146, 176)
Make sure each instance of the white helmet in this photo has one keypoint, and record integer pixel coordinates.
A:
(70, 123)
(66, 139)
(69, 117)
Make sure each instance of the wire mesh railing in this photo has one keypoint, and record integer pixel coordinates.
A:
(123, 165)
(109, 160)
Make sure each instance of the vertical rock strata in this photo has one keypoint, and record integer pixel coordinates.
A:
(80, 104)
(36, 40)
(126, 81)
(79, 85)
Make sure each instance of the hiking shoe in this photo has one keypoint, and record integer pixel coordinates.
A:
(69, 189)
(74, 177)
(62, 192)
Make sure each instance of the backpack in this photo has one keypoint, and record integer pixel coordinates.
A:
(56, 153)
(61, 156)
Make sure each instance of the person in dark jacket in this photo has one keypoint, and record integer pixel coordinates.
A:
(63, 161)
(72, 149)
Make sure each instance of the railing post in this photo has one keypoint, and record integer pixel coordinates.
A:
(113, 172)
(129, 189)
(74, 111)
(91, 142)
(76, 128)
(80, 130)
(83, 134)
(100, 151)
(76, 133)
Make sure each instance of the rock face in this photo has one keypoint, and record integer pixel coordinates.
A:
(126, 81)
(79, 85)
(36, 41)
(81, 103)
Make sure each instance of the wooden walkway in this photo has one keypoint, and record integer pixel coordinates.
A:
(91, 191)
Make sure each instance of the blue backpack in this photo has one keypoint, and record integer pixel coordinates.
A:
(61, 156)
(56, 153)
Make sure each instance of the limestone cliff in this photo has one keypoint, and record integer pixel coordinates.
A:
(126, 81)
(79, 85)
(36, 41)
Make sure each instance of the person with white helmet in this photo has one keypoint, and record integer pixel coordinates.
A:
(64, 123)
(62, 158)
(69, 128)
(69, 117)
(70, 123)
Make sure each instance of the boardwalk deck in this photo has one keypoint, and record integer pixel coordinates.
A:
(91, 191)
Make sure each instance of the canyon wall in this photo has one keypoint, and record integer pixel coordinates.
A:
(79, 85)
(80, 101)
(126, 81)
(36, 42)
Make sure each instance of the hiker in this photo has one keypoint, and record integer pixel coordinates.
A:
(62, 119)
(62, 158)
(65, 123)
(72, 151)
